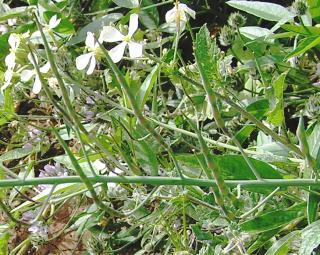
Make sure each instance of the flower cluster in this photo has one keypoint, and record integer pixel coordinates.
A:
(51, 170)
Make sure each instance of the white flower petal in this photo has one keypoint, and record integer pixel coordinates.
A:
(133, 24)
(111, 34)
(90, 40)
(135, 50)
(117, 52)
(31, 60)
(171, 15)
(12, 22)
(92, 65)
(10, 60)
(26, 75)
(186, 9)
(37, 85)
(83, 60)
(8, 75)
(14, 41)
(45, 68)
(54, 22)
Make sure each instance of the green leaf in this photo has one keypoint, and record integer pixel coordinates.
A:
(314, 8)
(262, 240)
(281, 246)
(233, 167)
(310, 238)
(15, 12)
(94, 27)
(4, 239)
(149, 17)
(244, 133)
(255, 32)
(273, 220)
(313, 141)
(206, 52)
(147, 158)
(304, 45)
(276, 115)
(312, 207)
(147, 86)
(258, 108)
(301, 29)
(15, 154)
(127, 3)
(267, 11)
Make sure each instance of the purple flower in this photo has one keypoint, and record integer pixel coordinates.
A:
(38, 228)
(51, 170)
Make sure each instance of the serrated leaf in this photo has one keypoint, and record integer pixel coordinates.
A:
(276, 115)
(149, 17)
(310, 238)
(281, 246)
(206, 53)
(267, 11)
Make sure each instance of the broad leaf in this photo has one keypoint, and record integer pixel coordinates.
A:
(281, 246)
(267, 11)
(127, 3)
(304, 45)
(310, 238)
(276, 115)
(273, 219)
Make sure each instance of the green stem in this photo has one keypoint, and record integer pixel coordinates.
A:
(84, 178)
(143, 121)
(158, 181)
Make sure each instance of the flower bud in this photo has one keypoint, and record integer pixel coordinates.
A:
(300, 7)
(236, 20)
(226, 36)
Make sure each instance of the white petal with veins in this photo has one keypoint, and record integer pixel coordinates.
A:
(111, 34)
(90, 40)
(54, 22)
(26, 75)
(37, 85)
(92, 65)
(135, 50)
(83, 60)
(133, 24)
(117, 52)
(10, 60)
(45, 68)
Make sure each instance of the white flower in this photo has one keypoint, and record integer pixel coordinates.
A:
(116, 172)
(111, 34)
(89, 59)
(3, 29)
(14, 41)
(53, 22)
(26, 75)
(179, 13)
(12, 22)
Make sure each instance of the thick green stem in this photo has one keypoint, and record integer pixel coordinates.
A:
(158, 181)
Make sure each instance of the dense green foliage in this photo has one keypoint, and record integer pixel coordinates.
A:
(135, 127)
